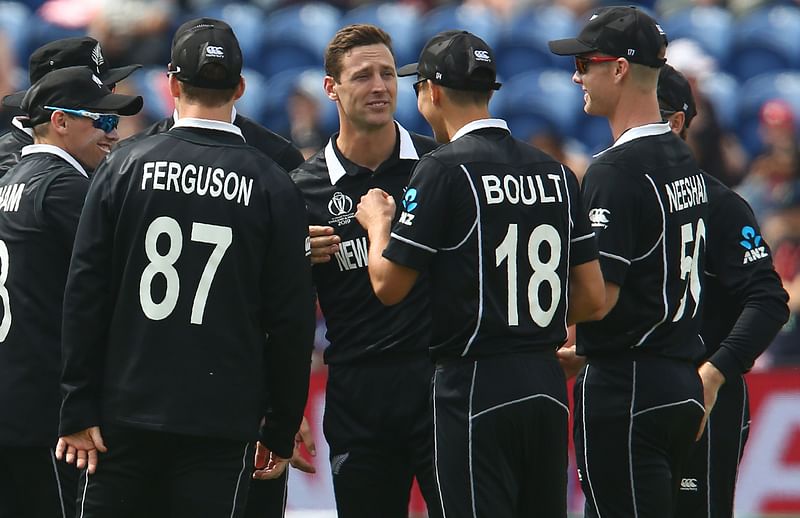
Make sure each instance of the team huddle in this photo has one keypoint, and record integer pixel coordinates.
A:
(158, 293)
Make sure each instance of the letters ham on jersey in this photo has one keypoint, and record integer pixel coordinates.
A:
(202, 180)
(10, 196)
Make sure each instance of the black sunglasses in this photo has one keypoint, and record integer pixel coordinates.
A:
(417, 85)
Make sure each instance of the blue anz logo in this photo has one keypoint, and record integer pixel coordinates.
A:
(752, 243)
(409, 204)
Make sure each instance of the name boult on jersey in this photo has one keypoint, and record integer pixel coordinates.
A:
(10, 196)
(200, 180)
(525, 189)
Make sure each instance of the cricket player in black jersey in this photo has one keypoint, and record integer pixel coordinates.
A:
(191, 251)
(499, 227)
(267, 497)
(283, 152)
(639, 400)
(63, 53)
(73, 118)
(746, 306)
(378, 419)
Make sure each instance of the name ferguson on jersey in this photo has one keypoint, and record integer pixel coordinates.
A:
(201, 180)
(686, 192)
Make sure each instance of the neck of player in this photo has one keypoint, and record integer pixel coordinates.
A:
(197, 111)
(634, 109)
(455, 117)
(367, 148)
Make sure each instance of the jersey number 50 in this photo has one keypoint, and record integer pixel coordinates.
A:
(220, 237)
(689, 266)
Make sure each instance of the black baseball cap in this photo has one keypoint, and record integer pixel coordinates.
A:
(675, 93)
(70, 52)
(75, 88)
(202, 41)
(624, 32)
(458, 60)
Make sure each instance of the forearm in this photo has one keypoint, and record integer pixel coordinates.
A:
(750, 336)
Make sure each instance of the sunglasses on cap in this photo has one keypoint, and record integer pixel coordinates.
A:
(107, 122)
(582, 62)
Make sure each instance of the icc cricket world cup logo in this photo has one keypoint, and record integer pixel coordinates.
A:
(340, 204)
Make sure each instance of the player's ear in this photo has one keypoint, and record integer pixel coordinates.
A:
(58, 122)
(329, 84)
(240, 88)
(677, 121)
(174, 86)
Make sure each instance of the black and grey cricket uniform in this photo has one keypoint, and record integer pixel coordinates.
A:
(11, 144)
(267, 498)
(746, 306)
(497, 224)
(40, 204)
(280, 150)
(378, 418)
(191, 249)
(639, 400)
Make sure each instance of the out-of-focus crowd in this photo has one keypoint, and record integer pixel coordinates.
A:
(741, 56)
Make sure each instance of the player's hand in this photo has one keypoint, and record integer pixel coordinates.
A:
(570, 361)
(712, 380)
(305, 438)
(268, 465)
(324, 243)
(376, 208)
(81, 448)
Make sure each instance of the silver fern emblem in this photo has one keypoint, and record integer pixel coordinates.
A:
(97, 57)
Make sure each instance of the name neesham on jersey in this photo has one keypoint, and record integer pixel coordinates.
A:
(201, 180)
(686, 193)
(10, 195)
(525, 189)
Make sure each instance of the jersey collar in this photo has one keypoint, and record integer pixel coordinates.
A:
(191, 122)
(17, 123)
(54, 150)
(336, 169)
(175, 115)
(479, 124)
(648, 130)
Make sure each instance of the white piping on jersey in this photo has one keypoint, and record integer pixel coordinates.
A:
(336, 170)
(58, 484)
(613, 256)
(646, 130)
(581, 238)
(667, 405)
(630, 443)
(664, 257)
(586, 441)
(569, 248)
(520, 400)
(54, 150)
(239, 479)
(192, 122)
(436, 449)
(649, 251)
(413, 243)
(469, 441)
(175, 116)
(469, 233)
(479, 124)
(742, 428)
(480, 261)
(85, 488)
(708, 464)
(17, 123)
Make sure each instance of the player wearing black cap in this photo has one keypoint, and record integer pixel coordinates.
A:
(746, 307)
(639, 400)
(188, 298)
(499, 227)
(73, 117)
(67, 52)
(377, 413)
(283, 152)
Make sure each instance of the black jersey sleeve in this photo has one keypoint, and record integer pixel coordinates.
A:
(289, 318)
(87, 302)
(61, 205)
(611, 203)
(583, 244)
(423, 223)
(741, 261)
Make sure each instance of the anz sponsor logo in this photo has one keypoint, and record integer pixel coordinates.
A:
(752, 243)
(352, 254)
(688, 484)
(409, 204)
(341, 208)
(599, 217)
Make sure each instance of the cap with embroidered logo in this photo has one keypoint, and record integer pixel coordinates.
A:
(203, 41)
(624, 32)
(74, 88)
(458, 60)
(675, 93)
(70, 52)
